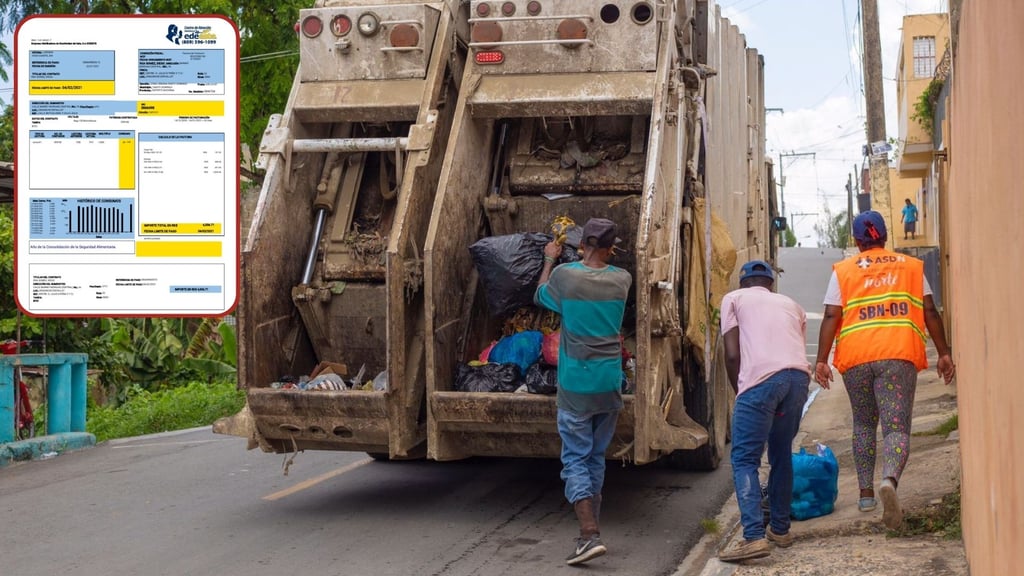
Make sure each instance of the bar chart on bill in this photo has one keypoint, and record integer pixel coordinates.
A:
(81, 218)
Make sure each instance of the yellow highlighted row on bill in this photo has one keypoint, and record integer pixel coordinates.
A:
(76, 87)
(181, 108)
(181, 228)
(176, 249)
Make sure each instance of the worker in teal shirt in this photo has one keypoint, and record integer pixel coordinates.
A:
(591, 297)
(909, 219)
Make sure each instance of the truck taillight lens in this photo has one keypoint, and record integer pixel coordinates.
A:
(404, 36)
(533, 8)
(312, 26)
(490, 57)
(572, 30)
(486, 32)
(508, 9)
(483, 9)
(341, 25)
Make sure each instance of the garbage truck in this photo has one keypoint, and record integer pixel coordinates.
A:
(331, 325)
(649, 113)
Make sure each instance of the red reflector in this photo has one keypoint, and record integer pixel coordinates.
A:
(490, 57)
(508, 9)
(533, 8)
(482, 10)
(341, 25)
(312, 26)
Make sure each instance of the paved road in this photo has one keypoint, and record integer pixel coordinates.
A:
(197, 503)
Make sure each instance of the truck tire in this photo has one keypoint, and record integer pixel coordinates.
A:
(710, 405)
(379, 456)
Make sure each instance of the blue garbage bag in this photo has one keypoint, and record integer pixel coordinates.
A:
(521, 349)
(815, 483)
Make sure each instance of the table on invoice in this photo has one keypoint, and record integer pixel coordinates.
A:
(181, 183)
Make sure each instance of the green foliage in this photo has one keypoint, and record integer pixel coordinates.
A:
(924, 107)
(789, 237)
(144, 412)
(942, 518)
(7, 134)
(834, 230)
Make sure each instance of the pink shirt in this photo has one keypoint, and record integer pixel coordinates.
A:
(772, 333)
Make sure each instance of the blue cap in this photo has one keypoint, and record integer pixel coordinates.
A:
(869, 227)
(757, 269)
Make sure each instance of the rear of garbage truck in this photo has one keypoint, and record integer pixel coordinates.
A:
(330, 321)
(578, 109)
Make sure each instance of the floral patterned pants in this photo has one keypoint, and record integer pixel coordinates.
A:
(881, 391)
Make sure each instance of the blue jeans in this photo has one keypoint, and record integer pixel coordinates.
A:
(585, 438)
(769, 412)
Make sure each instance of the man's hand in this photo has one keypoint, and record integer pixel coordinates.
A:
(946, 368)
(823, 375)
(553, 250)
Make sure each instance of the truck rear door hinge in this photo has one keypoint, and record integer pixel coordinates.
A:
(276, 140)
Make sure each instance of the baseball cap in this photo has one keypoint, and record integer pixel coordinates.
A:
(869, 226)
(602, 231)
(755, 269)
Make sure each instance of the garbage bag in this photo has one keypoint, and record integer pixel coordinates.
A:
(521, 349)
(815, 483)
(542, 379)
(487, 378)
(509, 267)
(549, 348)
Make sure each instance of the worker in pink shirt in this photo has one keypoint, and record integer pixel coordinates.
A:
(765, 355)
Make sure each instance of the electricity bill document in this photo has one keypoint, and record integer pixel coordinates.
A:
(126, 165)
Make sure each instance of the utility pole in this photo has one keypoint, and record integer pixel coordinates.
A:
(849, 208)
(782, 179)
(875, 97)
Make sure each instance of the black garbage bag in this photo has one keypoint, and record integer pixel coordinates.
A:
(542, 379)
(487, 378)
(509, 267)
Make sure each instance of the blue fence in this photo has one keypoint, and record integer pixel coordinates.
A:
(65, 392)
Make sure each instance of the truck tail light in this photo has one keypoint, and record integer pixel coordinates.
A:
(508, 9)
(490, 57)
(572, 29)
(486, 32)
(312, 26)
(341, 25)
(404, 36)
(483, 9)
(533, 8)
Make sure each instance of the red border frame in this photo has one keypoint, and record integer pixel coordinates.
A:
(238, 170)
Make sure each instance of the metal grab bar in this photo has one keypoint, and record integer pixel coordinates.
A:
(531, 43)
(401, 49)
(531, 18)
(350, 145)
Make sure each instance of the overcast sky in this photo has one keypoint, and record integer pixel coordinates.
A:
(813, 72)
(812, 51)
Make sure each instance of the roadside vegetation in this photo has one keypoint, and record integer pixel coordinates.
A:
(942, 519)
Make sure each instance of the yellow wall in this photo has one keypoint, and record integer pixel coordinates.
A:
(915, 143)
(986, 272)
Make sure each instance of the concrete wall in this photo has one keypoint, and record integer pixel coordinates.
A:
(987, 270)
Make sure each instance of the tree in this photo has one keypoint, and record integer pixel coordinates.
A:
(834, 230)
(789, 237)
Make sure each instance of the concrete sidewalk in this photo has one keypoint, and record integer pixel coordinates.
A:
(850, 542)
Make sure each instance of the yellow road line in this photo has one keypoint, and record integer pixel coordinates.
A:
(316, 480)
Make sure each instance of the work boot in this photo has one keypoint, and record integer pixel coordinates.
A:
(585, 513)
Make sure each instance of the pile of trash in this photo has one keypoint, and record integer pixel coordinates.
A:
(525, 358)
(330, 376)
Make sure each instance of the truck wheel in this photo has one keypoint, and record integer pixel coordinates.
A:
(710, 405)
(379, 456)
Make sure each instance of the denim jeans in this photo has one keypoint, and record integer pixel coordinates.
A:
(769, 412)
(585, 438)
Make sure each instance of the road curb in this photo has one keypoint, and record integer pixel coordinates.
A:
(44, 447)
(703, 558)
(168, 434)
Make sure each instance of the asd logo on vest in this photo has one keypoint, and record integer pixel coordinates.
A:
(889, 279)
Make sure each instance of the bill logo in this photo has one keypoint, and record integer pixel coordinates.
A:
(190, 35)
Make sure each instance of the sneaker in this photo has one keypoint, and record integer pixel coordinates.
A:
(746, 550)
(892, 513)
(586, 549)
(867, 504)
(780, 540)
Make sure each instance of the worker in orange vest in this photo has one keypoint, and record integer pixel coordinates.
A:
(879, 303)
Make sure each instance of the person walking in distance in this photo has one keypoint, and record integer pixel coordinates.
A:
(765, 357)
(879, 303)
(590, 295)
(909, 219)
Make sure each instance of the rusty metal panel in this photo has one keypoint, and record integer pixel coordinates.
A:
(345, 50)
(319, 419)
(359, 101)
(601, 36)
(534, 95)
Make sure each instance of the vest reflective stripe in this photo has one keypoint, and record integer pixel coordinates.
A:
(883, 309)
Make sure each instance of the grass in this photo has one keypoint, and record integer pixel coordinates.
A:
(710, 526)
(952, 423)
(942, 519)
(196, 404)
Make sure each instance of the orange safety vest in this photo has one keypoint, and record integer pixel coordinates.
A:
(883, 309)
